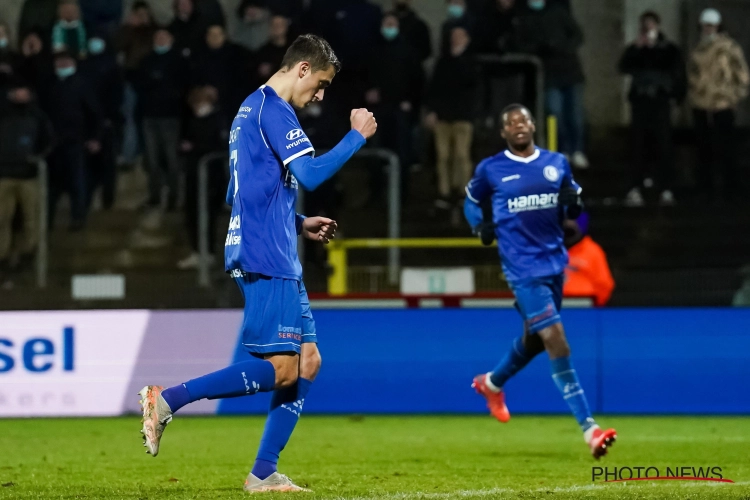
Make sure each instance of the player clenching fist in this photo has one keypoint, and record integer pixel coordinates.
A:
(364, 122)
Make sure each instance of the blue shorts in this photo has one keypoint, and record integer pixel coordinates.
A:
(539, 300)
(277, 315)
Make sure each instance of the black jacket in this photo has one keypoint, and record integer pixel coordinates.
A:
(452, 91)
(658, 72)
(73, 109)
(416, 32)
(25, 131)
(553, 35)
(105, 77)
(10, 66)
(397, 73)
(161, 84)
(208, 134)
(227, 69)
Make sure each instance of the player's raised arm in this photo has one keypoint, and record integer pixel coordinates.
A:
(312, 172)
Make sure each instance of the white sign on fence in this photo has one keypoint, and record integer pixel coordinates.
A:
(437, 281)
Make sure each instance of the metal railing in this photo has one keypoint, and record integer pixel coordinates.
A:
(42, 251)
(338, 281)
(204, 278)
(394, 209)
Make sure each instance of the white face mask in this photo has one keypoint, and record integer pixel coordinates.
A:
(203, 110)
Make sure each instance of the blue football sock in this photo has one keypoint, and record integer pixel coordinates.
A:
(566, 379)
(286, 407)
(515, 359)
(240, 379)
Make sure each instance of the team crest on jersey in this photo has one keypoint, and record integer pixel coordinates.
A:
(551, 173)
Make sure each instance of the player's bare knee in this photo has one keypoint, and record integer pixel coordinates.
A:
(554, 340)
(287, 370)
(311, 362)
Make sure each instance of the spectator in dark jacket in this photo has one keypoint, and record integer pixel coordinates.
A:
(396, 82)
(224, 66)
(451, 103)
(161, 87)
(187, 28)
(36, 63)
(25, 137)
(102, 16)
(549, 31)
(210, 12)
(69, 33)
(10, 60)
(72, 107)
(135, 41)
(105, 77)
(459, 16)
(269, 56)
(38, 16)
(496, 26)
(204, 131)
(252, 30)
(413, 29)
(658, 78)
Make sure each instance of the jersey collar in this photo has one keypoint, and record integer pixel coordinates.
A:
(521, 159)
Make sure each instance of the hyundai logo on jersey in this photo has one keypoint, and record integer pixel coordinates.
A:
(295, 134)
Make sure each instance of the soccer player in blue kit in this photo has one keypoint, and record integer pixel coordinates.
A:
(270, 156)
(532, 191)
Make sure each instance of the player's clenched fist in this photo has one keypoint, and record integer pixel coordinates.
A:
(364, 122)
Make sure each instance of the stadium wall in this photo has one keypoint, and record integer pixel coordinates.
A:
(631, 361)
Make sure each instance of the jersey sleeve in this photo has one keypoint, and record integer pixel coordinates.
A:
(282, 132)
(568, 180)
(479, 187)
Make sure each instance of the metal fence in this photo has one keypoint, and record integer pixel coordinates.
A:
(42, 252)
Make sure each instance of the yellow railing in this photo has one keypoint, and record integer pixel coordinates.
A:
(338, 251)
(552, 133)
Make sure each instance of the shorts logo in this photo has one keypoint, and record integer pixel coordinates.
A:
(295, 134)
(551, 173)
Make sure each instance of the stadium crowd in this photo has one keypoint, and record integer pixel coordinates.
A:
(95, 88)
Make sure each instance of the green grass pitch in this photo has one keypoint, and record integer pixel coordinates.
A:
(390, 458)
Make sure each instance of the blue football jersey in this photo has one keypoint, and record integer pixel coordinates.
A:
(524, 194)
(265, 137)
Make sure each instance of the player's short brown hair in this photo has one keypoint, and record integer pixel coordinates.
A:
(313, 49)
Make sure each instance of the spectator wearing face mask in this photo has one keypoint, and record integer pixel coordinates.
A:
(161, 86)
(37, 16)
(36, 61)
(25, 137)
(253, 30)
(548, 30)
(10, 60)
(459, 16)
(413, 29)
(451, 105)
(396, 80)
(658, 78)
(719, 79)
(68, 33)
(74, 111)
(105, 77)
(224, 66)
(269, 56)
(587, 273)
(204, 131)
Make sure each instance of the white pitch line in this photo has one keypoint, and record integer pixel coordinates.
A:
(495, 492)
